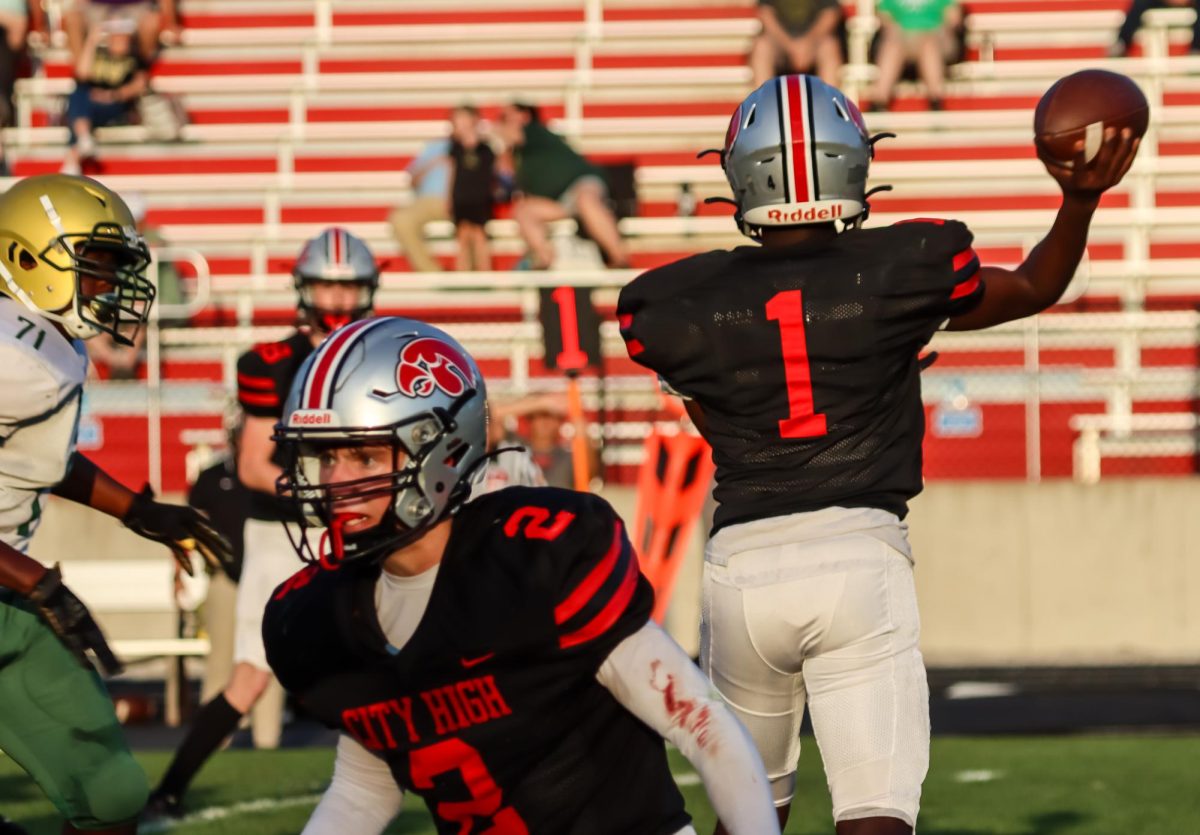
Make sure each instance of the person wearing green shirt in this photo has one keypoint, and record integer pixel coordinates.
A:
(920, 31)
(555, 182)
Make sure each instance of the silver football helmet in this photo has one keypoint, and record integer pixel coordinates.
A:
(797, 152)
(336, 255)
(393, 381)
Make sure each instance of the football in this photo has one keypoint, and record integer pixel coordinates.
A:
(1080, 106)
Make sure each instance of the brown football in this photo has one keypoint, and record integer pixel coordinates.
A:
(1081, 106)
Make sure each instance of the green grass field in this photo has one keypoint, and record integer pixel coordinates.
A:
(1098, 785)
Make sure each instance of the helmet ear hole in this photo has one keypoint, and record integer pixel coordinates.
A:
(26, 260)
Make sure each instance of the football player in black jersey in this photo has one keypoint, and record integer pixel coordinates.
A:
(798, 363)
(495, 657)
(335, 277)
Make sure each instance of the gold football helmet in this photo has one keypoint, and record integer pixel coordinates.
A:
(71, 252)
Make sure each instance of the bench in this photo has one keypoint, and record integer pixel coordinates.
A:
(1135, 435)
(135, 604)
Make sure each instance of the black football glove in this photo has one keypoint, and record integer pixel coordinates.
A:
(65, 613)
(181, 528)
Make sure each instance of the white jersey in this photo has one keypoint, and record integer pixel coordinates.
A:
(41, 376)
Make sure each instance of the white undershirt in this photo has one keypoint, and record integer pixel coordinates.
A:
(400, 603)
(363, 796)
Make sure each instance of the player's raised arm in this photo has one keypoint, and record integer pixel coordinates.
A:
(1043, 277)
(654, 679)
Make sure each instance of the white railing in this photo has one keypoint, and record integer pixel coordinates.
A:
(1030, 382)
(1142, 434)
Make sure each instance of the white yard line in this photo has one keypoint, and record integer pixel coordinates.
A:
(978, 775)
(215, 813)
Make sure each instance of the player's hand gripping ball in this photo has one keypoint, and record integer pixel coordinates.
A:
(1087, 128)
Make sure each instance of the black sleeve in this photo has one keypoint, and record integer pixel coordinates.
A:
(600, 595)
(226, 507)
(262, 380)
(659, 323)
(945, 266)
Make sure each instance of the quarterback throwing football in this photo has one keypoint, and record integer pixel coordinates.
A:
(798, 363)
(495, 657)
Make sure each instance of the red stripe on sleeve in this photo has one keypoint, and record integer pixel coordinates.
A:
(625, 321)
(609, 614)
(251, 398)
(936, 221)
(260, 383)
(634, 346)
(592, 582)
(963, 258)
(966, 288)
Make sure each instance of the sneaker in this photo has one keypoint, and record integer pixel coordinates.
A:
(161, 806)
(86, 146)
(1118, 49)
(71, 166)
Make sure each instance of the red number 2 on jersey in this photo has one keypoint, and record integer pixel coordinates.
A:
(787, 308)
(455, 755)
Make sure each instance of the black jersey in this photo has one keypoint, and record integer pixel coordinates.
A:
(264, 377)
(804, 360)
(492, 711)
(225, 501)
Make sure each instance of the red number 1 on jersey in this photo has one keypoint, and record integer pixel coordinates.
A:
(787, 308)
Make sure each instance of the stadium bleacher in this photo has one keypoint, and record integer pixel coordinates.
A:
(304, 115)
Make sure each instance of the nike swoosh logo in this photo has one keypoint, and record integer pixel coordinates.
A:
(471, 662)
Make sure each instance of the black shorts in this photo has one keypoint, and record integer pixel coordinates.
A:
(479, 213)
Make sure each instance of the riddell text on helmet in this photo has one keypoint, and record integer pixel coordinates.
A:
(312, 417)
(805, 214)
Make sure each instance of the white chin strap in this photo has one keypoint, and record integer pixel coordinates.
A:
(71, 322)
(74, 324)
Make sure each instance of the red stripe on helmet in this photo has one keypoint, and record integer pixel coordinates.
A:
(330, 351)
(338, 249)
(797, 103)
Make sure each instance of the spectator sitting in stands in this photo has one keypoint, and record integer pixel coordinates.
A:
(472, 196)
(922, 31)
(555, 183)
(430, 175)
(151, 20)
(511, 465)
(544, 417)
(1133, 21)
(110, 77)
(798, 36)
